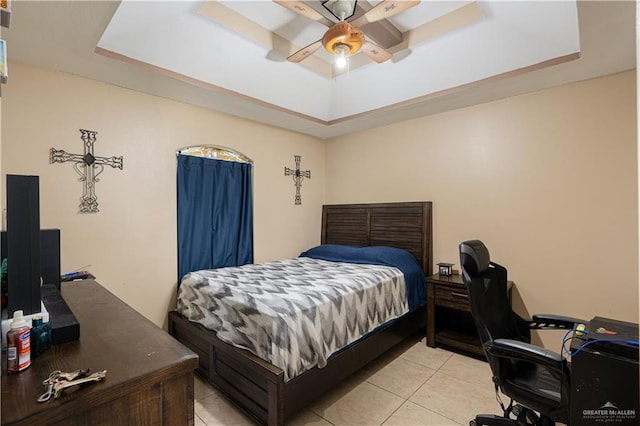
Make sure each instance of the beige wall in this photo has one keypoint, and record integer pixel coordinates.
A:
(547, 180)
(130, 244)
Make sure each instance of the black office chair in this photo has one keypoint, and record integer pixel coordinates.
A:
(536, 379)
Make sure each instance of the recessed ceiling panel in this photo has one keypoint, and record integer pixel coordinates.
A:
(241, 47)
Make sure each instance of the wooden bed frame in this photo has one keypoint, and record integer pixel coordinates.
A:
(257, 386)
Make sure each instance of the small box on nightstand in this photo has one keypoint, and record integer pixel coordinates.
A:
(445, 269)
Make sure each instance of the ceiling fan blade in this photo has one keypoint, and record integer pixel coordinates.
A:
(300, 8)
(305, 52)
(375, 52)
(383, 10)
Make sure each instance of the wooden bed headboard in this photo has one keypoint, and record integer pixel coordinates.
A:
(402, 225)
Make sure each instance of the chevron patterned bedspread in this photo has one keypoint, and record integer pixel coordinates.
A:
(293, 313)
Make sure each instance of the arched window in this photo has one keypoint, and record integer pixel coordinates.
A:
(215, 152)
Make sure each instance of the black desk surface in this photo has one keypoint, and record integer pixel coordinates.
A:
(610, 336)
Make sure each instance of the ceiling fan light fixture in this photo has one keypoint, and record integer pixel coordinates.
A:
(347, 36)
(343, 34)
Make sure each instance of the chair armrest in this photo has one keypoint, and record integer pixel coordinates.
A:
(515, 349)
(551, 321)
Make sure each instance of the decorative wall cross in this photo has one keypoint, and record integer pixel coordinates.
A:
(298, 177)
(88, 166)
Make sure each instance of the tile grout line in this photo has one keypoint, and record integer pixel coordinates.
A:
(451, 355)
(448, 375)
(406, 400)
(318, 414)
(200, 418)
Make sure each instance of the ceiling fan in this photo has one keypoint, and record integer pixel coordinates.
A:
(343, 38)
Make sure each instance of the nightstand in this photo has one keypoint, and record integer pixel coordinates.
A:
(449, 320)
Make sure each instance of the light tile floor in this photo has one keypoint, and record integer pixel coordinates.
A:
(411, 385)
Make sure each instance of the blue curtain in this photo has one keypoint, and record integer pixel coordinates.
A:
(215, 214)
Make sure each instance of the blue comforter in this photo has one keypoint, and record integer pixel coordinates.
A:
(378, 255)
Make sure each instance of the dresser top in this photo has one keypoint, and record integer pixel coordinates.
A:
(113, 337)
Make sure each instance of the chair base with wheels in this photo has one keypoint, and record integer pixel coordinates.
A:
(523, 417)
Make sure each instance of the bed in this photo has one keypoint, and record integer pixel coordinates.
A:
(262, 389)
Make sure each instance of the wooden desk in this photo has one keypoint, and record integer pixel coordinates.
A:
(149, 374)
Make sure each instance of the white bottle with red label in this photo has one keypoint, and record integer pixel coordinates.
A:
(18, 344)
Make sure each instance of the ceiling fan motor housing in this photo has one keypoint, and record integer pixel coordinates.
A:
(343, 34)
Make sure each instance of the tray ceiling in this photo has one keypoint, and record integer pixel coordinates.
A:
(230, 55)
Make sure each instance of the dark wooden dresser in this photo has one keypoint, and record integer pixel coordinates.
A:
(149, 374)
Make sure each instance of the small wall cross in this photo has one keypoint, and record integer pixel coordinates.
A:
(298, 177)
(88, 166)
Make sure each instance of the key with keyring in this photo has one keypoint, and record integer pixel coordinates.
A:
(61, 385)
(73, 375)
(47, 394)
(58, 376)
(49, 382)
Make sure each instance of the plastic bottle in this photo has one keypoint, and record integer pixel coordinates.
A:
(18, 344)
